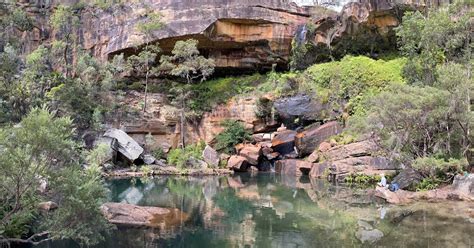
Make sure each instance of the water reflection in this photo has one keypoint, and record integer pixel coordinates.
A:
(269, 210)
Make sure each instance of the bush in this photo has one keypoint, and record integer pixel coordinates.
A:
(427, 184)
(362, 180)
(233, 134)
(179, 156)
(137, 86)
(343, 138)
(353, 79)
(159, 153)
(146, 170)
(98, 156)
(432, 167)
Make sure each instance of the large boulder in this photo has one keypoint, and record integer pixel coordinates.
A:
(137, 216)
(369, 236)
(284, 142)
(252, 153)
(194, 163)
(211, 156)
(300, 106)
(124, 144)
(407, 178)
(355, 158)
(47, 206)
(319, 170)
(238, 163)
(309, 139)
(293, 167)
(148, 159)
(464, 184)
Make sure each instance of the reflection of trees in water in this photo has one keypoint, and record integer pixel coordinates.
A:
(267, 210)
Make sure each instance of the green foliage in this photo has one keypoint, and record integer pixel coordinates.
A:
(433, 167)
(431, 117)
(78, 217)
(98, 156)
(428, 41)
(179, 156)
(64, 20)
(353, 79)
(205, 95)
(159, 153)
(427, 184)
(233, 134)
(344, 138)
(82, 96)
(410, 120)
(186, 62)
(41, 148)
(362, 179)
(14, 19)
(281, 84)
(146, 170)
(152, 24)
(264, 108)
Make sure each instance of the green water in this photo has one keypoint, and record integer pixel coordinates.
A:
(269, 210)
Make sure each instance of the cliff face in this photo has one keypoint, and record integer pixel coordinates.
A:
(240, 34)
(244, 34)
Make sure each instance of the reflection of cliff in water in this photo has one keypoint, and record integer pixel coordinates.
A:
(271, 210)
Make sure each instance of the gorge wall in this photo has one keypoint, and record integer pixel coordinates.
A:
(242, 34)
(239, 34)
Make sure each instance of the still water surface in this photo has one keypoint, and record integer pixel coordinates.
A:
(270, 210)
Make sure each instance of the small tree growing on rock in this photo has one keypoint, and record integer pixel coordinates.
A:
(144, 62)
(185, 62)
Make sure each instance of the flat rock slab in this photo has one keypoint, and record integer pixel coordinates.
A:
(402, 197)
(131, 215)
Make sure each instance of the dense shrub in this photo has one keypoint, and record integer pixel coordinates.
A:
(179, 156)
(352, 80)
(434, 167)
(233, 134)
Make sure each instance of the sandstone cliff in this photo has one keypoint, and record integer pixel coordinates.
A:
(243, 34)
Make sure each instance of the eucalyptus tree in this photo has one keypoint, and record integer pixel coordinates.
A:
(144, 62)
(64, 21)
(186, 62)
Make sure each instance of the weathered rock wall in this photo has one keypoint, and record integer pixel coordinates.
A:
(243, 34)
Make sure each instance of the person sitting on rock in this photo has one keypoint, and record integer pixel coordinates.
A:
(383, 181)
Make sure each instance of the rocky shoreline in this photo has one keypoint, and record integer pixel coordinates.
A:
(166, 171)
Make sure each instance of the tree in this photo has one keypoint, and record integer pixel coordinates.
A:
(64, 20)
(146, 59)
(427, 123)
(185, 62)
(233, 134)
(41, 149)
(428, 41)
(84, 97)
(25, 82)
(14, 19)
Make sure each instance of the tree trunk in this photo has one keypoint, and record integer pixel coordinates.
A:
(65, 59)
(147, 69)
(146, 89)
(183, 119)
